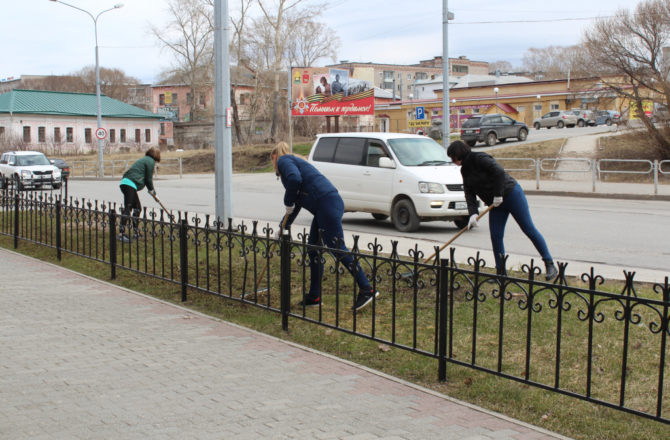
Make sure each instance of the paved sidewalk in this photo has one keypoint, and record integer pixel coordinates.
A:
(83, 359)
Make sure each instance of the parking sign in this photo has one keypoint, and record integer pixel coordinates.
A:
(420, 113)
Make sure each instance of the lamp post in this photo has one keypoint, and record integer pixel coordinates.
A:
(101, 167)
(496, 90)
(456, 115)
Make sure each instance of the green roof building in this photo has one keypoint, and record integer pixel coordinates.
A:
(64, 121)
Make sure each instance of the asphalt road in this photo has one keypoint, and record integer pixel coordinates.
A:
(626, 234)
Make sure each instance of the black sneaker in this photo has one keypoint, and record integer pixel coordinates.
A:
(551, 271)
(365, 298)
(310, 301)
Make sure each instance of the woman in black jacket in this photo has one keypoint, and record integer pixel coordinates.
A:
(484, 177)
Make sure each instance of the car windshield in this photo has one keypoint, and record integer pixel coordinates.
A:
(414, 152)
(33, 159)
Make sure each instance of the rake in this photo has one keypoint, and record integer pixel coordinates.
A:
(479, 217)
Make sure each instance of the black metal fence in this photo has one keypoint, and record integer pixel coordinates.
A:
(605, 347)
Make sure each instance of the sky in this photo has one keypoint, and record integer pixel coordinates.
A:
(42, 37)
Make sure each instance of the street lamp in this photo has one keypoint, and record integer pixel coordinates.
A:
(456, 115)
(496, 90)
(101, 167)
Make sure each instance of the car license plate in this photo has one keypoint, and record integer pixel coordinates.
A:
(469, 131)
(461, 205)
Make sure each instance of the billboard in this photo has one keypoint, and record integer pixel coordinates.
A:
(321, 91)
(647, 107)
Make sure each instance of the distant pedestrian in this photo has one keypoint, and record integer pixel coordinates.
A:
(307, 188)
(139, 175)
(484, 177)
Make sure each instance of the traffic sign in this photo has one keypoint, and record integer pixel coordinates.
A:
(415, 124)
(101, 133)
(420, 113)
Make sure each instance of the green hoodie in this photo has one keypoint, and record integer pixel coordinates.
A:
(142, 172)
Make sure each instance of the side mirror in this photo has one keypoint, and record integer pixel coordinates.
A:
(386, 162)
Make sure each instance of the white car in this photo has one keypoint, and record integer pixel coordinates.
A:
(407, 177)
(28, 169)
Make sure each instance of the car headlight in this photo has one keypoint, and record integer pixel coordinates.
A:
(431, 187)
(56, 173)
(26, 174)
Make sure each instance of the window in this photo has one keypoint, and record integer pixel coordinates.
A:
(459, 68)
(57, 135)
(461, 111)
(375, 152)
(174, 99)
(325, 149)
(161, 99)
(147, 135)
(69, 134)
(350, 151)
(2, 132)
(87, 135)
(189, 98)
(138, 140)
(203, 100)
(475, 111)
(162, 132)
(388, 75)
(421, 75)
(122, 135)
(537, 107)
(409, 87)
(409, 77)
(112, 136)
(554, 106)
(41, 134)
(26, 133)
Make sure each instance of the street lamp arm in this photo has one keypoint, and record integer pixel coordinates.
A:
(78, 8)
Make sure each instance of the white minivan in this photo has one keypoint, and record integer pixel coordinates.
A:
(407, 177)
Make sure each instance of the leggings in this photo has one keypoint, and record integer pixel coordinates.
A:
(328, 219)
(514, 203)
(131, 201)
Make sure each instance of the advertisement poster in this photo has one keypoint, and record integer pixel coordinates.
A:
(647, 107)
(320, 91)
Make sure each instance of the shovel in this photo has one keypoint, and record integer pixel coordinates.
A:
(265, 267)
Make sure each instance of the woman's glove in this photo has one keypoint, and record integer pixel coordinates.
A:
(152, 193)
(289, 209)
(472, 223)
(497, 201)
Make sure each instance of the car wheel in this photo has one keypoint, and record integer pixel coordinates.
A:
(404, 216)
(536, 125)
(523, 135)
(491, 139)
(461, 222)
(471, 143)
(18, 186)
(608, 122)
(580, 123)
(560, 124)
(380, 216)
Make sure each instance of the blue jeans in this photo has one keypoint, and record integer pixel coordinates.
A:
(514, 203)
(328, 218)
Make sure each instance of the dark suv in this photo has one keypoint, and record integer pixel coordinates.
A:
(491, 128)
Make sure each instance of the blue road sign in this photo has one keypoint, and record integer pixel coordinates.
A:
(420, 113)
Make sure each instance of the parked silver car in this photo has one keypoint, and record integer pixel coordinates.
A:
(556, 118)
(584, 117)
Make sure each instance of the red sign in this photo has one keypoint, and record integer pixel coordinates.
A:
(330, 92)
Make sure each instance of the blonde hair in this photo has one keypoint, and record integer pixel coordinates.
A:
(280, 150)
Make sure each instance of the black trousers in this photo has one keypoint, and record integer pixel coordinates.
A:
(131, 202)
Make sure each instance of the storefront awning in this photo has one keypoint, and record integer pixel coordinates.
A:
(507, 108)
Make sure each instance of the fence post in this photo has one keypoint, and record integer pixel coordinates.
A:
(594, 165)
(58, 231)
(442, 324)
(183, 255)
(16, 219)
(180, 168)
(538, 165)
(285, 277)
(656, 176)
(112, 240)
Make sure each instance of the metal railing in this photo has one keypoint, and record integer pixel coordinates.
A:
(567, 337)
(116, 167)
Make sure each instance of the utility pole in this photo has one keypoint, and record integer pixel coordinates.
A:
(446, 16)
(223, 154)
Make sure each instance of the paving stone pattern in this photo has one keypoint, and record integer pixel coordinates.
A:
(83, 359)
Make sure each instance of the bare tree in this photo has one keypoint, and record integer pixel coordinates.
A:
(627, 49)
(189, 37)
(310, 41)
(274, 13)
(553, 62)
(500, 65)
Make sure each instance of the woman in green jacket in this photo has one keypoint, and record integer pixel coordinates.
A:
(139, 175)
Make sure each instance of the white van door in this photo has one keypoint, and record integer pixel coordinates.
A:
(376, 184)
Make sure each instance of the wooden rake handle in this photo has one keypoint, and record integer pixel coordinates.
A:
(272, 246)
(458, 234)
